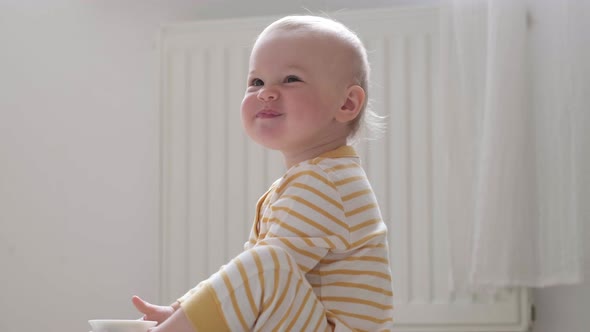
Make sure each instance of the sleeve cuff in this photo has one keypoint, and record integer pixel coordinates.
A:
(203, 310)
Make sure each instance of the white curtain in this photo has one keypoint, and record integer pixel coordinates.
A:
(517, 121)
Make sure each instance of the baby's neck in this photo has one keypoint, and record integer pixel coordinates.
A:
(295, 157)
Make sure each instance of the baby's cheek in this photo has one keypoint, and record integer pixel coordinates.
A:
(248, 105)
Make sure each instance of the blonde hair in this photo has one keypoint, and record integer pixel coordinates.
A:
(367, 123)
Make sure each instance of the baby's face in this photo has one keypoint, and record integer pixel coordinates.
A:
(296, 84)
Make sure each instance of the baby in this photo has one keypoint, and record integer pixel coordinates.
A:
(317, 257)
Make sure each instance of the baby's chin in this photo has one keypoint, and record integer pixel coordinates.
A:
(268, 140)
(269, 144)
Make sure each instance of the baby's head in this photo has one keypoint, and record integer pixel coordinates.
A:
(317, 67)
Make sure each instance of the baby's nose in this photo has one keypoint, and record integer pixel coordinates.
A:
(268, 94)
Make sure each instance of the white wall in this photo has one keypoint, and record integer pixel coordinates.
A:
(565, 308)
(78, 160)
(79, 135)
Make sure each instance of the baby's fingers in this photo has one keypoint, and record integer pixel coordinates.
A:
(142, 306)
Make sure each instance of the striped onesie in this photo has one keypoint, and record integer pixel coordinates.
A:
(317, 258)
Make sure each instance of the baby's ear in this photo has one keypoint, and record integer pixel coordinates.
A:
(355, 97)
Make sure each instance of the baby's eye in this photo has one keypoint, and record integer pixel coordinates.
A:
(256, 82)
(292, 78)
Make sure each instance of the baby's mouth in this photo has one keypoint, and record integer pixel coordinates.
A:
(267, 114)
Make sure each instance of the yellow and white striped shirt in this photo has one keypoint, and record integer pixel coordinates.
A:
(323, 213)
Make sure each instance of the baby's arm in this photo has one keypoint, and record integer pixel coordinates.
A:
(297, 229)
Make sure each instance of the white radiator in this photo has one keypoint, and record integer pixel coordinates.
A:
(212, 174)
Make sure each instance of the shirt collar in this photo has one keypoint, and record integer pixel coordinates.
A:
(341, 152)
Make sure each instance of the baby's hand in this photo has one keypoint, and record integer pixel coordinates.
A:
(153, 312)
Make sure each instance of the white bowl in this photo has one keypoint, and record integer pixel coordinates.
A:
(120, 325)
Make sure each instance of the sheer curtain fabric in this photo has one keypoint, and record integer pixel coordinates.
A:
(516, 123)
